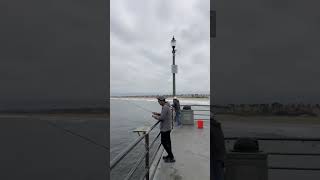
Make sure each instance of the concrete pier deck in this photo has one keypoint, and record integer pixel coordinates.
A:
(191, 148)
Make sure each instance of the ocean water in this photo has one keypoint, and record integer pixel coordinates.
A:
(127, 114)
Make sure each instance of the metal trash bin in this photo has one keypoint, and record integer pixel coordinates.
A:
(187, 116)
(246, 161)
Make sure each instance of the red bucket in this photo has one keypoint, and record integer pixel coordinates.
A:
(200, 123)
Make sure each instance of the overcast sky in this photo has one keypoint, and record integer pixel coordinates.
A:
(267, 51)
(53, 51)
(141, 58)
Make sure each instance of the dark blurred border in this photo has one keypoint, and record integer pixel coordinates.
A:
(30, 30)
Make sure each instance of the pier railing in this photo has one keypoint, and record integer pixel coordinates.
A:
(199, 112)
(147, 174)
(145, 155)
(285, 153)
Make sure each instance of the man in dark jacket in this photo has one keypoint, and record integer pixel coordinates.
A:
(176, 106)
(218, 149)
(165, 118)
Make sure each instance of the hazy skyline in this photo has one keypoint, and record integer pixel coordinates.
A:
(140, 53)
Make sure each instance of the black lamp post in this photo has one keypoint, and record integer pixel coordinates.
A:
(174, 68)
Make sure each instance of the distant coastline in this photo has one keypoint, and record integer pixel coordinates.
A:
(268, 109)
(166, 95)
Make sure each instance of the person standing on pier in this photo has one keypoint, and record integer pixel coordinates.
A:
(165, 118)
(217, 148)
(176, 106)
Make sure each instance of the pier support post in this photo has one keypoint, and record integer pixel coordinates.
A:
(146, 140)
(145, 132)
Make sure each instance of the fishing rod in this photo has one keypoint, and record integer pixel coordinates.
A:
(147, 110)
(139, 106)
(143, 107)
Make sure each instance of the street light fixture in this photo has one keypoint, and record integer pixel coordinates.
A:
(173, 43)
(174, 68)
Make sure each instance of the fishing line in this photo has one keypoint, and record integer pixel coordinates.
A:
(55, 125)
(148, 122)
(78, 135)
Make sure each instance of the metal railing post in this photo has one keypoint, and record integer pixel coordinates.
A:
(146, 139)
(145, 155)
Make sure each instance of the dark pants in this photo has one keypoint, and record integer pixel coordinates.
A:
(166, 143)
(178, 118)
(218, 170)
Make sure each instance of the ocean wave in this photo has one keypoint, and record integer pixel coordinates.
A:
(184, 101)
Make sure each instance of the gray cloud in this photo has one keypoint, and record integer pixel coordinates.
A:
(141, 55)
(51, 52)
(266, 51)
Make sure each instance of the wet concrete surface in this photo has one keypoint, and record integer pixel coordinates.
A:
(191, 148)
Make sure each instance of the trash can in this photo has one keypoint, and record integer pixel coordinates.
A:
(246, 161)
(187, 117)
